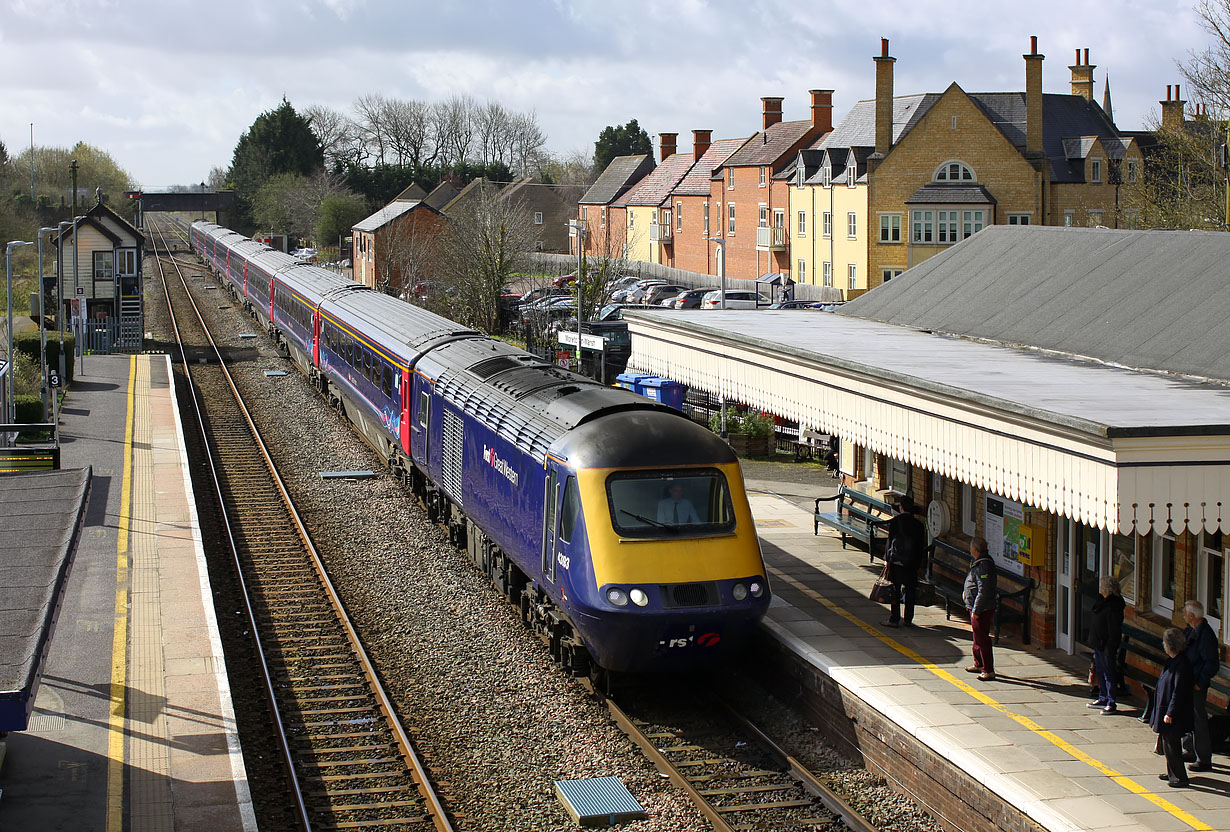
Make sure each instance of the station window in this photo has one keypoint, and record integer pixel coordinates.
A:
(1123, 564)
(1163, 572)
(1210, 583)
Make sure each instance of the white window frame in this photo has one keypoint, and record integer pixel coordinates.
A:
(679, 217)
(602, 217)
(1131, 171)
(851, 225)
(889, 273)
(779, 217)
(764, 176)
(1202, 589)
(707, 217)
(1095, 170)
(826, 176)
(764, 216)
(828, 223)
(538, 218)
(1024, 218)
(1162, 605)
(922, 227)
(890, 231)
(730, 218)
(944, 172)
(802, 271)
(730, 179)
(126, 262)
(1069, 218)
(801, 224)
(852, 276)
(828, 273)
(851, 176)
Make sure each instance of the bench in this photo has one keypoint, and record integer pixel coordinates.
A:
(856, 516)
(1146, 647)
(947, 577)
(808, 443)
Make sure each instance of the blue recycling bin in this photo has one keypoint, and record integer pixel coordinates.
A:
(664, 390)
(632, 381)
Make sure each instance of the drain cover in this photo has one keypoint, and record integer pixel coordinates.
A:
(346, 475)
(274, 373)
(599, 801)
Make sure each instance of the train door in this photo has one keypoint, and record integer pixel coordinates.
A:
(406, 398)
(549, 525)
(269, 311)
(244, 285)
(420, 424)
(315, 337)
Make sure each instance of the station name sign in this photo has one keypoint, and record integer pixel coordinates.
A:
(568, 337)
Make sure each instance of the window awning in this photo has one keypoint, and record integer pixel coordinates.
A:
(1104, 446)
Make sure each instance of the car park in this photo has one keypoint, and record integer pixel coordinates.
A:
(796, 304)
(657, 294)
(564, 280)
(540, 292)
(638, 292)
(735, 299)
(619, 282)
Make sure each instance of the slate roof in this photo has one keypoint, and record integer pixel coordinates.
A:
(441, 195)
(621, 174)
(858, 128)
(696, 182)
(412, 193)
(941, 194)
(657, 185)
(768, 146)
(384, 216)
(1149, 300)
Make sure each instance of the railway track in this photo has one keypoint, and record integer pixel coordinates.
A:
(734, 773)
(350, 762)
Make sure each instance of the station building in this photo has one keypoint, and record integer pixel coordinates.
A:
(1062, 392)
(106, 276)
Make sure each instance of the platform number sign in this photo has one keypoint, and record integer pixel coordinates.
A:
(53, 379)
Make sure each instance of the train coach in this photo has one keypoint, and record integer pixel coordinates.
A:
(619, 528)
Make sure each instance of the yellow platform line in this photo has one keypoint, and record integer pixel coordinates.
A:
(980, 696)
(119, 636)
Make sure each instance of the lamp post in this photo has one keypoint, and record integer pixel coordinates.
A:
(721, 244)
(10, 411)
(61, 309)
(42, 322)
(79, 329)
(579, 227)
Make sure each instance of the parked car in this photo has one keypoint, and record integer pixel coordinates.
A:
(637, 293)
(735, 299)
(691, 298)
(621, 281)
(796, 304)
(564, 280)
(541, 292)
(657, 294)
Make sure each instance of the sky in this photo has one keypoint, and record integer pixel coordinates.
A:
(168, 87)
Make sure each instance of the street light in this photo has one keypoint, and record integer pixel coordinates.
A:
(10, 413)
(721, 243)
(42, 323)
(579, 227)
(61, 308)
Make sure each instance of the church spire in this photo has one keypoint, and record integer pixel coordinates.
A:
(1106, 101)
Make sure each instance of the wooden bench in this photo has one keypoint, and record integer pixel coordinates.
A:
(947, 577)
(856, 516)
(1146, 647)
(808, 443)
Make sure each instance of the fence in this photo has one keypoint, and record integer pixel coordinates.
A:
(557, 264)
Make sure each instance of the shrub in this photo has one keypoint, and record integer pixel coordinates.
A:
(29, 409)
(758, 425)
(27, 343)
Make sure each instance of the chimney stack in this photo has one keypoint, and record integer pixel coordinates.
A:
(772, 111)
(1082, 76)
(884, 103)
(701, 139)
(822, 110)
(1172, 110)
(1033, 100)
(666, 144)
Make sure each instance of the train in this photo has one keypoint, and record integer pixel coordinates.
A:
(620, 528)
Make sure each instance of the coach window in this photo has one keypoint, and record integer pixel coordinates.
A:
(424, 404)
(387, 387)
(569, 511)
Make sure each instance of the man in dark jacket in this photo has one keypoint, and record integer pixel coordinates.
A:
(981, 600)
(906, 547)
(1105, 633)
(1172, 707)
(1201, 654)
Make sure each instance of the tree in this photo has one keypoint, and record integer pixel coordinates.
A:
(336, 133)
(628, 140)
(337, 215)
(292, 203)
(279, 141)
(406, 252)
(487, 242)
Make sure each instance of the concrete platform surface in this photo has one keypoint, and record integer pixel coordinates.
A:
(133, 727)
(1028, 736)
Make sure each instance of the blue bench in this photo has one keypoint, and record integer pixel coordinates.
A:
(857, 516)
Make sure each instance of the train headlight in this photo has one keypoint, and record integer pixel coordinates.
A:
(756, 588)
(639, 597)
(739, 591)
(617, 596)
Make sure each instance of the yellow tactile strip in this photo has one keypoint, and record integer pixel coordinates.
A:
(980, 696)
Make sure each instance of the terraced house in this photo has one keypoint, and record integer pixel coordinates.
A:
(647, 205)
(902, 178)
(605, 225)
(693, 208)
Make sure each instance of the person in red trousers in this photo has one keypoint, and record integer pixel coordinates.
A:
(981, 599)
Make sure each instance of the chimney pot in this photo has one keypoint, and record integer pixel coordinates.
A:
(1033, 44)
(771, 111)
(1078, 57)
(1176, 93)
(701, 139)
(822, 110)
(667, 143)
(1086, 57)
(883, 47)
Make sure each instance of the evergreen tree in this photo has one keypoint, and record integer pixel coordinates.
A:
(279, 141)
(626, 140)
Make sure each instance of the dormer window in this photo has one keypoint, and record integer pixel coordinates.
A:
(954, 172)
(826, 175)
(851, 175)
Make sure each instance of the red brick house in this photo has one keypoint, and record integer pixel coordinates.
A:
(694, 216)
(605, 229)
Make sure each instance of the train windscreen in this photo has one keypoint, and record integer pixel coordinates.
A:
(670, 503)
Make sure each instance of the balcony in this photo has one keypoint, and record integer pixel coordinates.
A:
(770, 238)
(660, 233)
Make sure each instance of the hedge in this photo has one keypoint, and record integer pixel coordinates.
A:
(27, 342)
(29, 409)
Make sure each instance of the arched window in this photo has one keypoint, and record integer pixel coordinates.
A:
(954, 172)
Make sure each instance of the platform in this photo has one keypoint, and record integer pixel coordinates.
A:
(133, 726)
(1022, 752)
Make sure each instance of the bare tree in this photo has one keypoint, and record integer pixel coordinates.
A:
(407, 255)
(527, 141)
(490, 124)
(335, 132)
(371, 110)
(488, 241)
(408, 124)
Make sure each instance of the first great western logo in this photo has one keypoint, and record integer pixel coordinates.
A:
(500, 464)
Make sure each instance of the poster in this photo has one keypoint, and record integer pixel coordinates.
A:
(1002, 525)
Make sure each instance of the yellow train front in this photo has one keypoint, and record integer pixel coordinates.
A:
(656, 559)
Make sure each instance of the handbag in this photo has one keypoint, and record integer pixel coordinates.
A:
(883, 591)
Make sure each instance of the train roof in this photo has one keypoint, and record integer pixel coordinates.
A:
(315, 283)
(402, 327)
(521, 397)
(662, 440)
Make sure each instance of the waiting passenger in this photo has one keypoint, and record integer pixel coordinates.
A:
(1105, 633)
(1201, 654)
(1172, 707)
(905, 550)
(981, 600)
(676, 509)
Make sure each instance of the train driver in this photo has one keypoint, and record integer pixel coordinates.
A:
(675, 509)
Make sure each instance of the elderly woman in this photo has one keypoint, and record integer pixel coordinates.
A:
(1172, 709)
(1105, 633)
